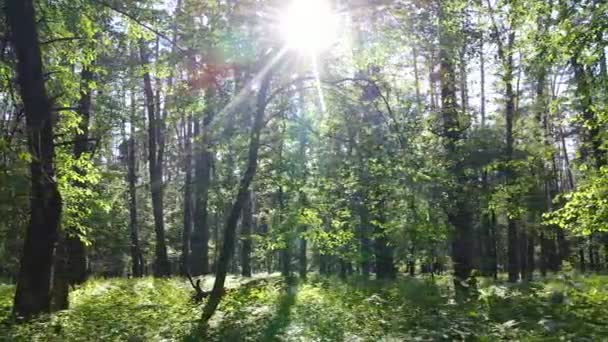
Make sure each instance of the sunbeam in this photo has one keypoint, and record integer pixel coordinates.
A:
(315, 70)
(253, 83)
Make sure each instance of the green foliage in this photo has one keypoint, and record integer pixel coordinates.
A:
(586, 209)
(325, 309)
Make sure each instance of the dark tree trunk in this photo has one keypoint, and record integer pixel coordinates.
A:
(285, 253)
(383, 253)
(581, 256)
(185, 257)
(591, 252)
(552, 252)
(137, 263)
(459, 216)
(70, 256)
(33, 294)
(523, 256)
(544, 258)
(246, 225)
(385, 264)
(302, 260)
(530, 256)
(204, 161)
(482, 70)
(155, 158)
(513, 235)
(563, 246)
(229, 242)
(364, 241)
(591, 150)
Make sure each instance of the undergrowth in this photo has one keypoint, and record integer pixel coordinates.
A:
(324, 309)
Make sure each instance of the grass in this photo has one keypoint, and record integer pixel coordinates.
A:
(325, 309)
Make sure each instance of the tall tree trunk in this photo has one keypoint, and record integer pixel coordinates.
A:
(459, 215)
(155, 157)
(137, 262)
(302, 260)
(33, 294)
(364, 240)
(544, 258)
(284, 253)
(417, 81)
(200, 238)
(383, 253)
(70, 255)
(233, 217)
(204, 161)
(530, 256)
(591, 150)
(185, 257)
(512, 230)
(482, 70)
(246, 225)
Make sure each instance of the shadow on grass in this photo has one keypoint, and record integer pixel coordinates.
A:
(243, 317)
(280, 321)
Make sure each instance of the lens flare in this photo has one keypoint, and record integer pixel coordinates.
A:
(308, 25)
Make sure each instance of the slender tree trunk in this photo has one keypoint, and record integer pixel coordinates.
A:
(417, 80)
(33, 294)
(137, 262)
(227, 249)
(591, 150)
(200, 238)
(185, 257)
(161, 263)
(246, 225)
(482, 67)
(385, 265)
(530, 256)
(459, 216)
(513, 235)
(302, 260)
(364, 241)
(581, 256)
(543, 255)
(70, 255)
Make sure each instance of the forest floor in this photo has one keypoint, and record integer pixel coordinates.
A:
(324, 309)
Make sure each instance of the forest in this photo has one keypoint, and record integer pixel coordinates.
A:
(303, 170)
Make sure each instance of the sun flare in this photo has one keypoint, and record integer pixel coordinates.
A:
(309, 25)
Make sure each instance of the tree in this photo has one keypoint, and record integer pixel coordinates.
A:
(33, 294)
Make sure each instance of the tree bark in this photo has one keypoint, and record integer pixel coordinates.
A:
(383, 252)
(246, 225)
(137, 263)
(155, 158)
(33, 294)
(186, 231)
(204, 161)
(459, 214)
(70, 255)
(227, 249)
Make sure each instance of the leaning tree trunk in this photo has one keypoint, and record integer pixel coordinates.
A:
(161, 263)
(243, 190)
(33, 295)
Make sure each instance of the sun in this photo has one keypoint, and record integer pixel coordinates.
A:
(308, 25)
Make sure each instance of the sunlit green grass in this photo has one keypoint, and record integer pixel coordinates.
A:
(324, 309)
